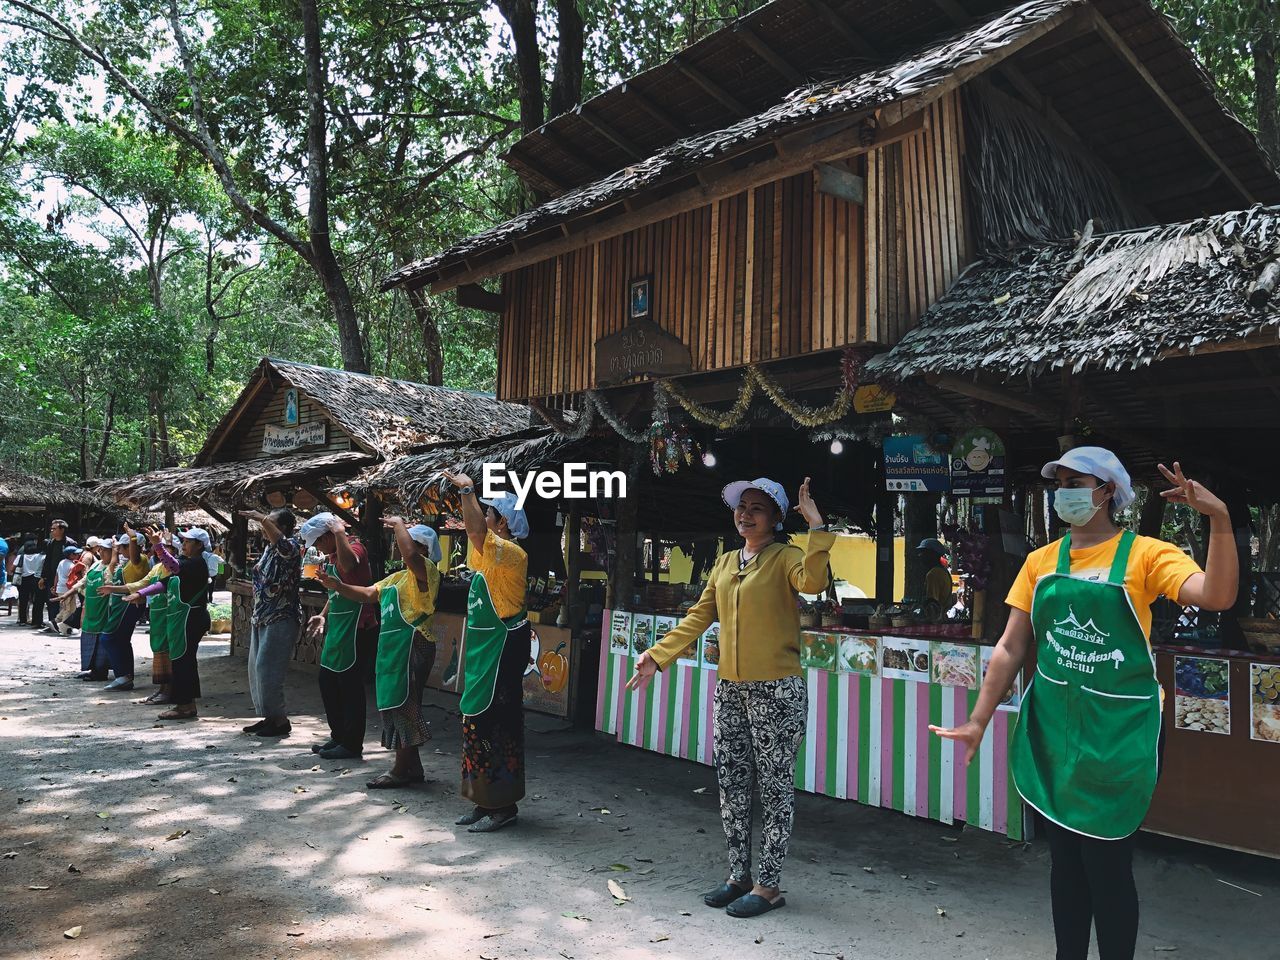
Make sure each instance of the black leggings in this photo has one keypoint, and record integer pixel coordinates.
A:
(343, 695)
(1091, 883)
(186, 674)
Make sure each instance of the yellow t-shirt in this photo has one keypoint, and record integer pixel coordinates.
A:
(505, 566)
(938, 585)
(158, 572)
(417, 606)
(134, 572)
(1156, 569)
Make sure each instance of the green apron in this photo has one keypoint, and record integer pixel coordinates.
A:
(94, 618)
(177, 615)
(395, 647)
(115, 602)
(339, 650)
(482, 645)
(1084, 748)
(159, 618)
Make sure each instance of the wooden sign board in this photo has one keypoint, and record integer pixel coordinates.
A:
(276, 439)
(642, 348)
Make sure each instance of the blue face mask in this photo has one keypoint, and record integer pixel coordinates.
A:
(1076, 507)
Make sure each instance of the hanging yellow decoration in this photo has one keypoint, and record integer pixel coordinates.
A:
(755, 379)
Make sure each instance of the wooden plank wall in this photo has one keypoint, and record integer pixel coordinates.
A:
(247, 442)
(918, 231)
(777, 271)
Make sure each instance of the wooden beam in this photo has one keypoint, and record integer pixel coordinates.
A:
(211, 511)
(642, 101)
(626, 145)
(570, 150)
(1123, 50)
(1255, 341)
(757, 45)
(478, 298)
(846, 32)
(532, 166)
(840, 182)
(848, 142)
(323, 497)
(736, 106)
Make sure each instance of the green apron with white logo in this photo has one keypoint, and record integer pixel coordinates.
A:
(482, 646)
(1084, 749)
(159, 617)
(94, 618)
(115, 602)
(339, 650)
(179, 612)
(395, 647)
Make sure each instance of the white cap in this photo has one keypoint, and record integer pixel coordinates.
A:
(421, 533)
(517, 522)
(122, 540)
(317, 526)
(195, 533)
(1096, 462)
(733, 492)
(93, 542)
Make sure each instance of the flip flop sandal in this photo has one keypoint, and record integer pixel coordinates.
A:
(724, 895)
(388, 781)
(753, 905)
(491, 824)
(475, 816)
(177, 715)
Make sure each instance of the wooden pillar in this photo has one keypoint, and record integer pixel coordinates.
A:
(1004, 569)
(919, 521)
(622, 576)
(371, 534)
(168, 516)
(573, 567)
(885, 504)
(238, 545)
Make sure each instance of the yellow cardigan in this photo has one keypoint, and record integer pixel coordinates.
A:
(757, 610)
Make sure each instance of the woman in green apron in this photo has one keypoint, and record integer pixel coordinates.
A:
(156, 607)
(93, 620)
(350, 633)
(495, 651)
(1086, 748)
(406, 646)
(186, 617)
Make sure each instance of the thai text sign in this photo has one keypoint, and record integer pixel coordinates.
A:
(277, 439)
(642, 348)
(912, 466)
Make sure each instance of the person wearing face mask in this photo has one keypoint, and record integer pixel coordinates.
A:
(761, 699)
(1086, 749)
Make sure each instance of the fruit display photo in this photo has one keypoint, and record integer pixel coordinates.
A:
(818, 650)
(1202, 694)
(1264, 683)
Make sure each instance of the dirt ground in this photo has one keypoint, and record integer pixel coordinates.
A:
(195, 840)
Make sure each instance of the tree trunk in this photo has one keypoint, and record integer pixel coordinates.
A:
(1264, 77)
(431, 345)
(161, 430)
(323, 260)
(522, 18)
(566, 85)
(106, 435)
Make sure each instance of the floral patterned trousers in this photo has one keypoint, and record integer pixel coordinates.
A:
(758, 728)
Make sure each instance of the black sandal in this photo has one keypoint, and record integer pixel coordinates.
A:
(724, 895)
(389, 781)
(754, 905)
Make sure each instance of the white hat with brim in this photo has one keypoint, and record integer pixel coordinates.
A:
(517, 522)
(316, 527)
(425, 536)
(1095, 462)
(732, 494)
(195, 533)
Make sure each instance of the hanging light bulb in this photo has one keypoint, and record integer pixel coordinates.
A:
(837, 446)
(709, 459)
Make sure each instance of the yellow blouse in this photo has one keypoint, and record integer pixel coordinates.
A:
(505, 566)
(158, 572)
(757, 609)
(417, 606)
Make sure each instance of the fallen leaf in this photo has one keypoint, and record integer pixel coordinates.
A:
(213, 891)
(299, 789)
(685, 913)
(310, 844)
(165, 883)
(644, 860)
(73, 933)
(576, 916)
(619, 868)
(619, 894)
(11, 854)
(72, 868)
(232, 780)
(659, 938)
(37, 886)
(645, 872)
(760, 939)
(397, 836)
(868, 870)
(1164, 949)
(177, 835)
(701, 790)
(603, 810)
(104, 815)
(941, 912)
(293, 933)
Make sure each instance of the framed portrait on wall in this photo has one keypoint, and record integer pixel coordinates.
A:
(291, 407)
(642, 298)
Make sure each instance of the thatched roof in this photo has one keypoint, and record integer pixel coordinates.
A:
(26, 490)
(224, 483)
(1111, 302)
(411, 477)
(1206, 159)
(382, 415)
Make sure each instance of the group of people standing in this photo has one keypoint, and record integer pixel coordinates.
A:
(1088, 742)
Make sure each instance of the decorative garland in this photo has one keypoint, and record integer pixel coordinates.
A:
(755, 380)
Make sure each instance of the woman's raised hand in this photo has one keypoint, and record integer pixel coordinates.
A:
(646, 667)
(392, 522)
(969, 734)
(327, 580)
(806, 507)
(1192, 493)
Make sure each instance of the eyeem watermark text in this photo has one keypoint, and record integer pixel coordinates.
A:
(574, 481)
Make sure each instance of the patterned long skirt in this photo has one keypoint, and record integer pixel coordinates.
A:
(493, 741)
(405, 726)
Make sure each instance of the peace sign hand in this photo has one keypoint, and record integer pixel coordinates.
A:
(1194, 494)
(806, 507)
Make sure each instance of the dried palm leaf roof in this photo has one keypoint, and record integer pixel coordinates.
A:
(863, 90)
(223, 483)
(411, 477)
(382, 415)
(26, 490)
(1114, 301)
